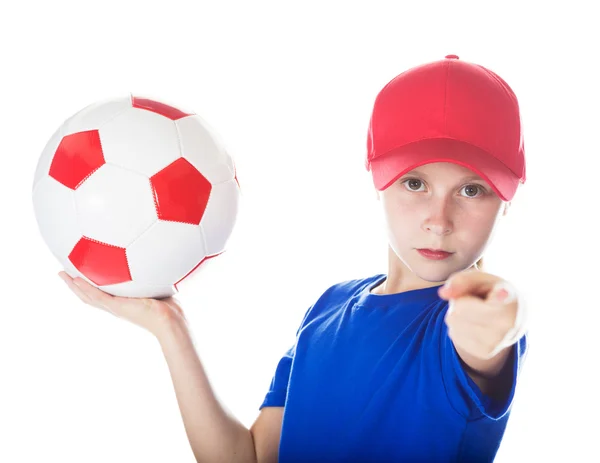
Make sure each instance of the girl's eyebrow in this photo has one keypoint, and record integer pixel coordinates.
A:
(464, 179)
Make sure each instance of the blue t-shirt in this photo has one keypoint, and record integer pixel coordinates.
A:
(375, 378)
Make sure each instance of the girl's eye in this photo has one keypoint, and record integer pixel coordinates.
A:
(473, 189)
(414, 184)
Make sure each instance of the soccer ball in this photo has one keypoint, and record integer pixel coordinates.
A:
(134, 195)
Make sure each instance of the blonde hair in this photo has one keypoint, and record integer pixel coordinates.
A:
(479, 264)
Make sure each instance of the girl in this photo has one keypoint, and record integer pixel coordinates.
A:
(398, 366)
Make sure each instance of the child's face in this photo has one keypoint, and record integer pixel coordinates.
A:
(440, 206)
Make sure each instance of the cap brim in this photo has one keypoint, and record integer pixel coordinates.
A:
(389, 167)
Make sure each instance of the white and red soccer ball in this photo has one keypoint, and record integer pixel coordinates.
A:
(133, 195)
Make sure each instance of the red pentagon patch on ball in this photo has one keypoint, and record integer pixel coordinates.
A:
(158, 108)
(181, 192)
(77, 157)
(101, 263)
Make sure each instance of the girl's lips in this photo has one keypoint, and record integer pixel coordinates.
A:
(434, 254)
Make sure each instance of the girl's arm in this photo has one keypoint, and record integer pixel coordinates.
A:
(214, 435)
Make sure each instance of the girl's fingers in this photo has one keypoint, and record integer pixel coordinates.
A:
(92, 292)
(88, 293)
(78, 292)
(140, 311)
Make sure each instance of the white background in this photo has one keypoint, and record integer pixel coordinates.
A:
(289, 87)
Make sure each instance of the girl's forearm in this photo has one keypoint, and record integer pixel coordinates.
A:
(214, 435)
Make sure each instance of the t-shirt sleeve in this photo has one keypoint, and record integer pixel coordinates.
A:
(277, 392)
(464, 394)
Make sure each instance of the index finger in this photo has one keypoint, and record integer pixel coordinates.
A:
(469, 282)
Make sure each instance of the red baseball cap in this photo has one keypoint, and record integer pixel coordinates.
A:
(447, 111)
